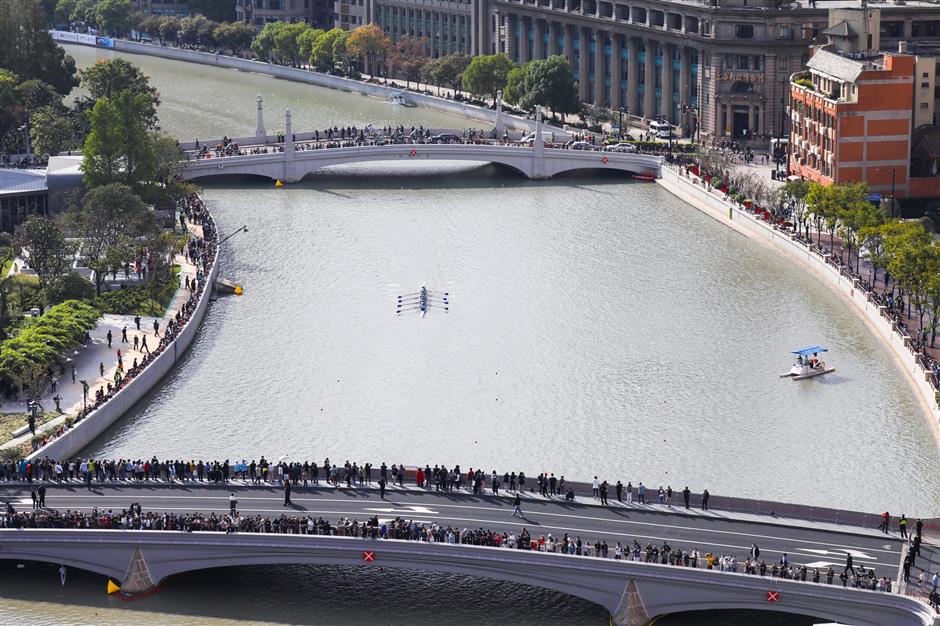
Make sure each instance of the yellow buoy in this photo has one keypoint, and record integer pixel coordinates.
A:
(113, 587)
(238, 290)
(278, 183)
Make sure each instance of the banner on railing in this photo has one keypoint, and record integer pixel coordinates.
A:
(70, 37)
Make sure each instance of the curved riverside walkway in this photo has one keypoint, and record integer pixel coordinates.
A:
(788, 244)
(65, 440)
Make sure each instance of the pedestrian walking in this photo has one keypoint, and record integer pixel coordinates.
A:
(124, 334)
(517, 507)
(143, 345)
(382, 488)
(902, 526)
(287, 501)
(595, 488)
(619, 489)
(35, 499)
(137, 321)
(685, 496)
(603, 493)
(156, 328)
(42, 496)
(109, 338)
(885, 520)
(848, 566)
(101, 368)
(73, 373)
(705, 500)
(232, 504)
(63, 572)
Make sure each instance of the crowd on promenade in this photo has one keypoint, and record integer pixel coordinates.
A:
(134, 518)
(200, 251)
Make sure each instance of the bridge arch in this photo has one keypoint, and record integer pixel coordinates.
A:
(630, 591)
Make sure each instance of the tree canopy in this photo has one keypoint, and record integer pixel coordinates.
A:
(108, 78)
(487, 74)
(28, 50)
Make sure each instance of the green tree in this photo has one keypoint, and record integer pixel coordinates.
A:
(196, 30)
(51, 131)
(42, 241)
(550, 84)
(306, 41)
(235, 36)
(263, 45)
(285, 42)
(109, 78)
(117, 148)
(110, 220)
(28, 50)
(169, 28)
(794, 194)
(910, 259)
(85, 11)
(448, 70)
(329, 50)
(515, 85)
(150, 24)
(114, 16)
(487, 74)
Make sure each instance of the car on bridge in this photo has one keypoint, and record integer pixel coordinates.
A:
(580, 145)
(620, 147)
(445, 138)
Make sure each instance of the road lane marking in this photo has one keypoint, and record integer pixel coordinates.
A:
(411, 508)
(504, 523)
(540, 513)
(855, 553)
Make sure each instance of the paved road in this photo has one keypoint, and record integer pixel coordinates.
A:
(817, 545)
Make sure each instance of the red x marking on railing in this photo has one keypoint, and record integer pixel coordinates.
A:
(773, 596)
(368, 556)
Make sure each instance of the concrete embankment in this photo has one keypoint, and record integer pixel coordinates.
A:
(712, 204)
(87, 430)
(435, 103)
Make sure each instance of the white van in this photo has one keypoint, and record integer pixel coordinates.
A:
(548, 138)
(662, 130)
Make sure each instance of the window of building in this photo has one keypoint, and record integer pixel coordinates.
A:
(925, 85)
(784, 32)
(744, 31)
(924, 105)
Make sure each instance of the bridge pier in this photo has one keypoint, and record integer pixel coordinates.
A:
(631, 611)
(137, 580)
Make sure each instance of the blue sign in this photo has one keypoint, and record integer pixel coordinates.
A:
(875, 197)
(105, 42)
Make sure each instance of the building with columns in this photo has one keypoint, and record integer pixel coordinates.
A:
(728, 61)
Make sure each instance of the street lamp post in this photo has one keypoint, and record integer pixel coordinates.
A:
(243, 229)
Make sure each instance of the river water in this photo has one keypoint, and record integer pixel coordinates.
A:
(596, 326)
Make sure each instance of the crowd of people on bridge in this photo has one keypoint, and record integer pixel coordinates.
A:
(134, 518)
(200, 251)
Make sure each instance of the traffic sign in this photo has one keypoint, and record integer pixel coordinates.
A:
(773, 596)
(368, 556)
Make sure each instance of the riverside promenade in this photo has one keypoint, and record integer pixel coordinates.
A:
(885, 323)
(108, 396)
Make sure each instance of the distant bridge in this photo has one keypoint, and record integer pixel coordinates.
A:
(633, 592)
(536, 161)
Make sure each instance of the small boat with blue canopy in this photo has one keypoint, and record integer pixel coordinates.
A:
(808, 364)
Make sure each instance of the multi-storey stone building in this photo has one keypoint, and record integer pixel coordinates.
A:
(318, 13)
(177, 8)
(728, 61)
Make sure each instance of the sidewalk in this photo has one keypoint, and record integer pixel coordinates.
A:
(87, 360)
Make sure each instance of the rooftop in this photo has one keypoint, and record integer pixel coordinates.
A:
(838, 66)
(16, 181)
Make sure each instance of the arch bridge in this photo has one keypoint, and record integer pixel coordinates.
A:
(536, 162)
(633, 592)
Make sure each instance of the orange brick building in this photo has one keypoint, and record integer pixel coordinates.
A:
(852, 119)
